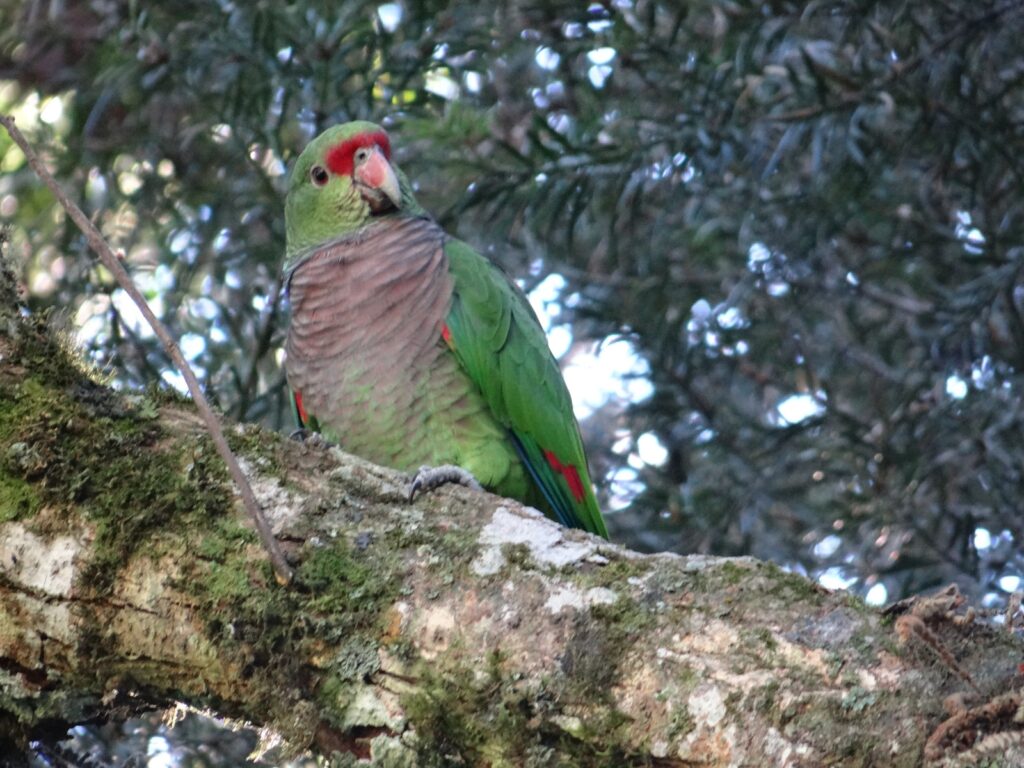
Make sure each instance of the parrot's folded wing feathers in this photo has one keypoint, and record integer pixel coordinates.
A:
(496, 336)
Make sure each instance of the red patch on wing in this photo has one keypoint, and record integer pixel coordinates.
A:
(302, 411)
(569, 472)
(446, 334)
(339, 157)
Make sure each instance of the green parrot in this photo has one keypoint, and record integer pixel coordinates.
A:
(412, 350)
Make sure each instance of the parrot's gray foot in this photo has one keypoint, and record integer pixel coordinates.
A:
(429, 478)
(309, 437)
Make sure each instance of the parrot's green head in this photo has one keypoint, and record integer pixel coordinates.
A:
(341, 181)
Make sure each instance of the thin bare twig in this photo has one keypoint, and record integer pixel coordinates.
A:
(281, 569)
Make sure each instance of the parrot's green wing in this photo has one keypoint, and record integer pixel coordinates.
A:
(497, 338)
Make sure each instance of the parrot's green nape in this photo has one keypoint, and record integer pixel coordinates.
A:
(409, 348)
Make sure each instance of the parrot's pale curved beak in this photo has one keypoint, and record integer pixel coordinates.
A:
(377, 182)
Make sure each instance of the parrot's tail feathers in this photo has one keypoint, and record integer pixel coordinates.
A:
(300, 412)
(305, 422)
(555, 492)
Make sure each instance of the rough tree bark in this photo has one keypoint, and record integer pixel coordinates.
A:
(463, 629)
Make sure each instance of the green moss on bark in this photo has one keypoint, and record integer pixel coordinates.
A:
(18, 500)
(67, 443)
(464, 717)
(322, 633)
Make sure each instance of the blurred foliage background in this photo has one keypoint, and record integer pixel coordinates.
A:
(778, 245)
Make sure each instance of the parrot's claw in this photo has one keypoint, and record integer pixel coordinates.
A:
(308, 437)
(429, 478)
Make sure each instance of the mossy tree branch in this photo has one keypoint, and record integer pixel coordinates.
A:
(109, 260)
(459, 630)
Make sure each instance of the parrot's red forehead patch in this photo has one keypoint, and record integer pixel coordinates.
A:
(339, 157)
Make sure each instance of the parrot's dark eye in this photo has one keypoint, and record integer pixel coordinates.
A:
(319, 175)
(361, 154)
